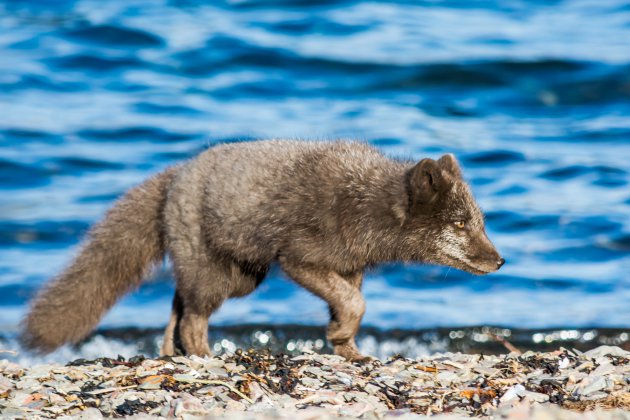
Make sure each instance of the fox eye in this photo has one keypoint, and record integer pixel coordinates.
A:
(460, 224)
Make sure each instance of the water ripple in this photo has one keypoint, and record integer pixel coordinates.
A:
(115, 36)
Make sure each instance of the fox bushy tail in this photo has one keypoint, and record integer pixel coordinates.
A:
(117, 254)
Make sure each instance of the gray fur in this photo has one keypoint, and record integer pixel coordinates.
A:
(323, 211)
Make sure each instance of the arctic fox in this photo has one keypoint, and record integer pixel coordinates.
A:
(324, 211)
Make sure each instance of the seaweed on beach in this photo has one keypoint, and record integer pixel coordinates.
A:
(460, 384)
(109, 362)
(131, 407)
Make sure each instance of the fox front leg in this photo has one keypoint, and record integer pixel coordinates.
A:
(345, 301)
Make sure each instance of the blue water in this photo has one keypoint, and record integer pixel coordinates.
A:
(533, 97)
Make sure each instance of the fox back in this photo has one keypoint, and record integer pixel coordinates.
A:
(343, 204)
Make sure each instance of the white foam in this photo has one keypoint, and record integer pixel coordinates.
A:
(98, 346)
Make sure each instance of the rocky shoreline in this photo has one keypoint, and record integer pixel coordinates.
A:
(256, 384)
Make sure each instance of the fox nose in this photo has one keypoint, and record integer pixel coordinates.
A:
(500, 263)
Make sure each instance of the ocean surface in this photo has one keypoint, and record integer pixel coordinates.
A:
(532, 96)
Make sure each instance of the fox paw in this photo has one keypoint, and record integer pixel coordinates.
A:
(351, 354)
(362, 359)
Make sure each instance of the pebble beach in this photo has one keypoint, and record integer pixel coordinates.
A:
(256, 384)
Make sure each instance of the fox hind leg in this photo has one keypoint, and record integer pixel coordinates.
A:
(172, 344)
(202, 285)
(201, 289)
(187, 330)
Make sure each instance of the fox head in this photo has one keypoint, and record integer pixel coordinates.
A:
(444, 222)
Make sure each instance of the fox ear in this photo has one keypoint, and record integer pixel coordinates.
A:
(427, 180)
(450, 165)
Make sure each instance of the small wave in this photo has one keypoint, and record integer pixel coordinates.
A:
(117, 36)
(621, 243)
(41, 234)
(494, 158)
(274, 4)
(14, 175)
(608, 134)
(131, 134)
(93, 63)
(312, 25)
(27, 135)
(507, 221)
(153, 108)
(72, 165)
(574, 171)
(513, 190)
(15, 294)
(36, 83)
(100, 198)
(587, 252)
